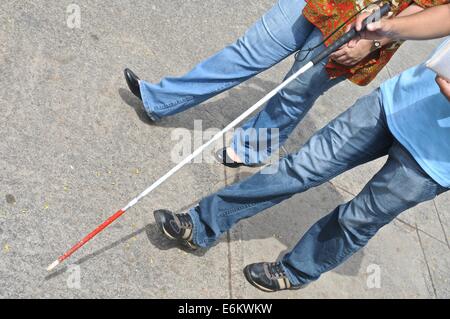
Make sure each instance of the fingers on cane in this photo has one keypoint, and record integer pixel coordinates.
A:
(338, 54)
(378, 25)
(349, 27)
(360, 19)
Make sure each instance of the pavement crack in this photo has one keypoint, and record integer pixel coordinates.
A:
(341, 188)
(419, 229)
(405, 223)
(440, 222)
(230, 272)
(229, 254)
(426, 262)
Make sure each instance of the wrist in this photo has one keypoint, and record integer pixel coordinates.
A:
(366, 45)
(390, 30)
(385, 41)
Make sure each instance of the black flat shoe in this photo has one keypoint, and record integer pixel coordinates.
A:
(222, 157)
(133, 83)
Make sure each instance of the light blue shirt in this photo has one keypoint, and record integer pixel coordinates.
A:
(418, 115)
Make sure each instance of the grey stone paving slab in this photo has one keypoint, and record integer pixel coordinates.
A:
(443, 210)
(426, 217)
(437, 256)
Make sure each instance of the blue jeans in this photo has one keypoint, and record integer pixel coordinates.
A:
(357, 136)
(279, 33)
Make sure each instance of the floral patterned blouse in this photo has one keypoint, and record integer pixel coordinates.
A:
(328, 15)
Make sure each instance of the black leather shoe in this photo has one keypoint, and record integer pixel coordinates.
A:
(133, 82)
(177, 227)
(268, 277)
(222, 157)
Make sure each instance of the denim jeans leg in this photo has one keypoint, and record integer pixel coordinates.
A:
(257, 139)
(355, 137)
(275, 36)
(398, 186)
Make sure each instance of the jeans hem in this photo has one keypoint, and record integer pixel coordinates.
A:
(196, 224)
(293, 279)
(174, 104)
(150, 113)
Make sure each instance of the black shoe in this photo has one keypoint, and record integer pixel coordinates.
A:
(268, 277)
(222, 157)
(176, 227)
(133, 82)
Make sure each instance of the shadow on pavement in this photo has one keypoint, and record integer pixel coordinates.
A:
(98, 252)
(136, 104)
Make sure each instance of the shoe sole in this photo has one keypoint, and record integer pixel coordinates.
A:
(254, 284)
(222, 161)
(262, 288)
(236, 165)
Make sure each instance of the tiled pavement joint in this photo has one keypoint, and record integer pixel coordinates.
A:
(440, 222)
(341, 188)
(426, 262)
(229, 254)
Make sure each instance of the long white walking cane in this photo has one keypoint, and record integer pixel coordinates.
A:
(336, 45)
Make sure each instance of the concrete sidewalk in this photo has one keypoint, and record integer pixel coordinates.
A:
(74, 149)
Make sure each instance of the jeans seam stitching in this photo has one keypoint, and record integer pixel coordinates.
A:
(174, 103)
(232, 211)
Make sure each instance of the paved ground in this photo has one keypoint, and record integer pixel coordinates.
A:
(73, 150)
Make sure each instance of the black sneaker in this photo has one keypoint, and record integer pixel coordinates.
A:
(268, 277)
(176, 227)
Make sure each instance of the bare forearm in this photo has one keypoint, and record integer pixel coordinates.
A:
(428, 24)
(412, 9)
